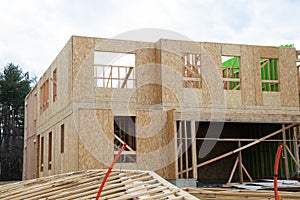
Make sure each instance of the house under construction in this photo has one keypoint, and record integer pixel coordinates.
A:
(203, 111)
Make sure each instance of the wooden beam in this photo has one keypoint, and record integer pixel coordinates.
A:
(233, 170)
(194, 149)
(127, 146)
(240, 164)
(286, 164)
(246, 146)
(292, 156)
(126, 78)
(247, 173)
(296, 136)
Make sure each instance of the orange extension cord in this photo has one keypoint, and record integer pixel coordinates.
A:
(276, 171)
(109, 170)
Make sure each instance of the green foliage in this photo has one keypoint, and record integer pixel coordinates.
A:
(14, 86)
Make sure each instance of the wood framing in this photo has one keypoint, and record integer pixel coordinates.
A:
(85, 184)
(168, 87)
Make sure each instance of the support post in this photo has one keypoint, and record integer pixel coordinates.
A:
(296, 137)
(286, 164)
(240, 164)
(194, 149)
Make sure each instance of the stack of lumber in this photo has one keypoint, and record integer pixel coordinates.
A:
(85, 184)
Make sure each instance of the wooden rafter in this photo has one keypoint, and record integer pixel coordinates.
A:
(123, 184)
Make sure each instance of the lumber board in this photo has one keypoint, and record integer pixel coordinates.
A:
(123, 184)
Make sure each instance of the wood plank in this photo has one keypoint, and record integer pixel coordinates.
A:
(233, 170)
(246, 146)
(194, 149)
(286, 164)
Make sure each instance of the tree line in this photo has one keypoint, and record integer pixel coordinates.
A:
(14, 86)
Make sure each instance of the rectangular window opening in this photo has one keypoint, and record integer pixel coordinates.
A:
(231, 72)
(269, 74)
(50, 151)
(44, 96)
(191, 70)
(114, 70)
(42, 154)
(62, 138)
(54, 85)
(124, 130)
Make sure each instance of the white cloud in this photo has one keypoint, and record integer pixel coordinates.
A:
(33, 32)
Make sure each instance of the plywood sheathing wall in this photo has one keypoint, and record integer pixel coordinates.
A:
(95, 129)
(247, 75)
(148, 75)
(30, 153)
(57, 113)
(155, 142)
(171, 69)
(82, 69)
(288, 75)
(211, 72)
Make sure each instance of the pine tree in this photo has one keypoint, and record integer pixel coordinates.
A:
(14, 86)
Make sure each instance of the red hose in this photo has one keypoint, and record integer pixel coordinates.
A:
(276, 171)
(109, 170)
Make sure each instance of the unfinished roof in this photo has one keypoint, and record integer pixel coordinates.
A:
(85, 185)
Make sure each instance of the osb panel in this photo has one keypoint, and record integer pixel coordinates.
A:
(67, 161)
(257, 77)
(114, 45)
(120, 101)
(30, 158)
(83, 84)
(247, 72)
(268, 52)
(173, 46)
(63, 66)
(82, 48)
(288, 77)
(155, 146)
(192, 97)
(191, 47)
(230, 50)
(171, 70)
(87, 160)
(148, 77)
(271, 99)
(233, 98)
(31, 109)
(95, 130)
(171, 96)
(106, 123)
(169, 172)
(211, 70)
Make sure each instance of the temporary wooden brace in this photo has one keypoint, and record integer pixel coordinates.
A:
(122, 142)
(241, 168)
(233, 170)
(244, 147)
(292, 156)
(127, 77)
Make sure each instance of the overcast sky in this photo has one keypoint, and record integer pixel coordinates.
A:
(34, 31)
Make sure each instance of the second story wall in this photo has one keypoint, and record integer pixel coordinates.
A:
(55, 89)
(229, 76)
